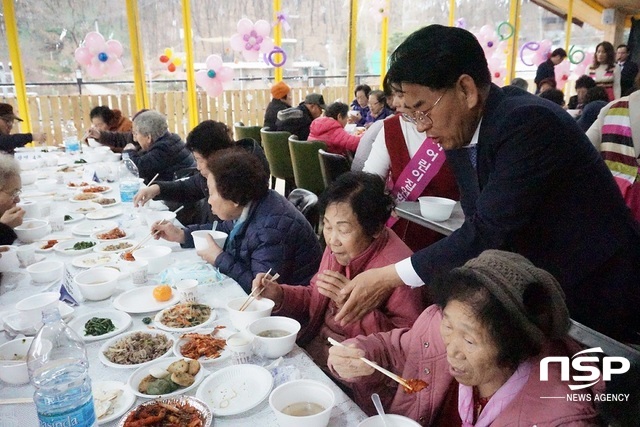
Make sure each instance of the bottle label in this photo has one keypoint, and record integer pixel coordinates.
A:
(83, 416)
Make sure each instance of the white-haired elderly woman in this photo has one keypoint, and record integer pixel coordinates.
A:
(10, 187)
(161, 152)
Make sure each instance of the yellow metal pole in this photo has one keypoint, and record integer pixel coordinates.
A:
(139, 84)
(567, 40)
(277, 36)
(384, 43)
(192, 95)
(452, 12)
(16, 63)
(512, 55)
(353, 25)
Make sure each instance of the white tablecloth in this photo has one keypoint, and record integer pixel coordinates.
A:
(17, 285)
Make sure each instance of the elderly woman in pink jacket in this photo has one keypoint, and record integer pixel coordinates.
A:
(330, 129)
(478, 352)
(355, 208)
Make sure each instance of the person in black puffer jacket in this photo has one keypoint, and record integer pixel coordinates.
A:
(203, 141)
(265, 230)
(297, 120)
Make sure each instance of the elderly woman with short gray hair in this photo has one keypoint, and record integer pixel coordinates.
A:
(11, 214)
(161, 151)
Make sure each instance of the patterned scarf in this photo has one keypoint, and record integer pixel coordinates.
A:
(617, 146)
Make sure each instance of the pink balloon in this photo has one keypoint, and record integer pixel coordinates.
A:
(114, 48)
(562, 74)
(95, 43)
(267, 45)
(93, 37)
(236, 42)
(250, 55)
(244, 26)
(225, 74)
(213, 62)
(202, 78)
(83, 56)
(214, 88)
(262, 27)
(114, 68)
(95, 70)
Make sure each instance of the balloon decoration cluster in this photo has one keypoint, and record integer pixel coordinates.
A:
(213, 78)
(494, 44)
(100, 57)
(173, 62)
(252, 39)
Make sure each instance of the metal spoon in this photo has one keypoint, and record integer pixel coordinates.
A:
(378, 404)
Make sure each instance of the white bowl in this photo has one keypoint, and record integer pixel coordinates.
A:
(28, 164)
(46, 271)
(156, 256)
(391, 419)
(9, 260)
(258, 309)
(47, 185)
(200, 238)
(97, 283)
(93, 143)
(32, 230)
(28, 177)
(31, 307)
(113, 157)
(15, 373)
(436, 208)
(302, 392)
(273, 347)
(153, 216)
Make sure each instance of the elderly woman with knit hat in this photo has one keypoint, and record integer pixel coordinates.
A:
(479, 351)
(281, 94)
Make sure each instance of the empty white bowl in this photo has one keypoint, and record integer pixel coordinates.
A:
(391, 420)
(200, 238)
(32, 230)
(274, 336)
(46, 271)
(31, 308)
(28, 177)
(156, 256)
(93, 143)
(153, 216)
(9, 260)
(12, 371)
(258, 309)
(47, 185)
(299, 397)
(28, 164)
(97, 283)
(436, 208)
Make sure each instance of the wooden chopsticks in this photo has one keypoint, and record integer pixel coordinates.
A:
(377, 367)
(253, 295)
(150, 235)
(153, 179)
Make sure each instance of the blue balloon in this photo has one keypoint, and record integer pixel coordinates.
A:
(211, 73)
(102, 57)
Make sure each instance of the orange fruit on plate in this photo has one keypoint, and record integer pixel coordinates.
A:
(162, 293)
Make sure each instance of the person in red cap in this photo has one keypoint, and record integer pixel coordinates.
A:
(9, 141)
(281, 93)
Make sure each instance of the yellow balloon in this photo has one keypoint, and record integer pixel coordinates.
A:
(168, 51)
(177, 62)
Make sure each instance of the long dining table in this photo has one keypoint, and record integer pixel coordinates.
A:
(17, 284)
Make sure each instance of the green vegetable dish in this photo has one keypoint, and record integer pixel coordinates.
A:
(146, 320)
(81, 245)
(97, 326)
(68, 217)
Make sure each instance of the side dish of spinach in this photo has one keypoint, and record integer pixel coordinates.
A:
(81, 245)
(68, 217)
(97, 326)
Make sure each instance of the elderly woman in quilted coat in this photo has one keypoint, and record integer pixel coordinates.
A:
(265, 230)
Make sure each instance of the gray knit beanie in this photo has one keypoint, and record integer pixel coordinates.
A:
(507, 275)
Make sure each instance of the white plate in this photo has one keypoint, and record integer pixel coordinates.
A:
(104, 214)
(120, 405)
(141, 373)
(19, 324)
(90, 227)
(75, 217)
(120, 320)
(89, 197)
(43, 241)
(250, 384)
(107, 205)
(114, 340)
(103, 189)
(127, 235)
(93, 260)
(66, 247)
(101, 248)
(85, 208)
(141, 300)
(223, 333)
(158, 324)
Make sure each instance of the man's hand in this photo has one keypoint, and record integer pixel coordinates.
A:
(145, 194)
(13, 217)
(263, 287)
(346, 362)
(167, 231)
(212, 252)
(39, 137)
(366, 291)
(330, 283)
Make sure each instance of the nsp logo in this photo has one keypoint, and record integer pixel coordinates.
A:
(587, 364)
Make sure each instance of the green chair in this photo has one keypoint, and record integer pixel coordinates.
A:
(306, 165)
(276, 148)
(242, 131)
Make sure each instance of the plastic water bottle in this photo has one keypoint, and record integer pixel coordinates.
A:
(70, 136)
(129, 179)
(59, 370)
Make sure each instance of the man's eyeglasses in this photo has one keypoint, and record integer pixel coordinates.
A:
(8, 120)
(14, 194)
(421, 117)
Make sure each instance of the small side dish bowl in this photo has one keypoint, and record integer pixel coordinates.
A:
(200, 238)
(274, 336)
(13, 361)
(302, 403)
(436, 208)
(97, 283)
(156, 256)
(258, 309)
(45, 271)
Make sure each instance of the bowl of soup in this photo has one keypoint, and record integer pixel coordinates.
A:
(302, 403)
(274, 336)
(97, 283)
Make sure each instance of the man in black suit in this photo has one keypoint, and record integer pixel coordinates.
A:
(628, 69)
(547, 69)
(530, 181)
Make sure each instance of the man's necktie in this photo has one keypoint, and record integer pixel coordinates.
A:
(473, 155)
